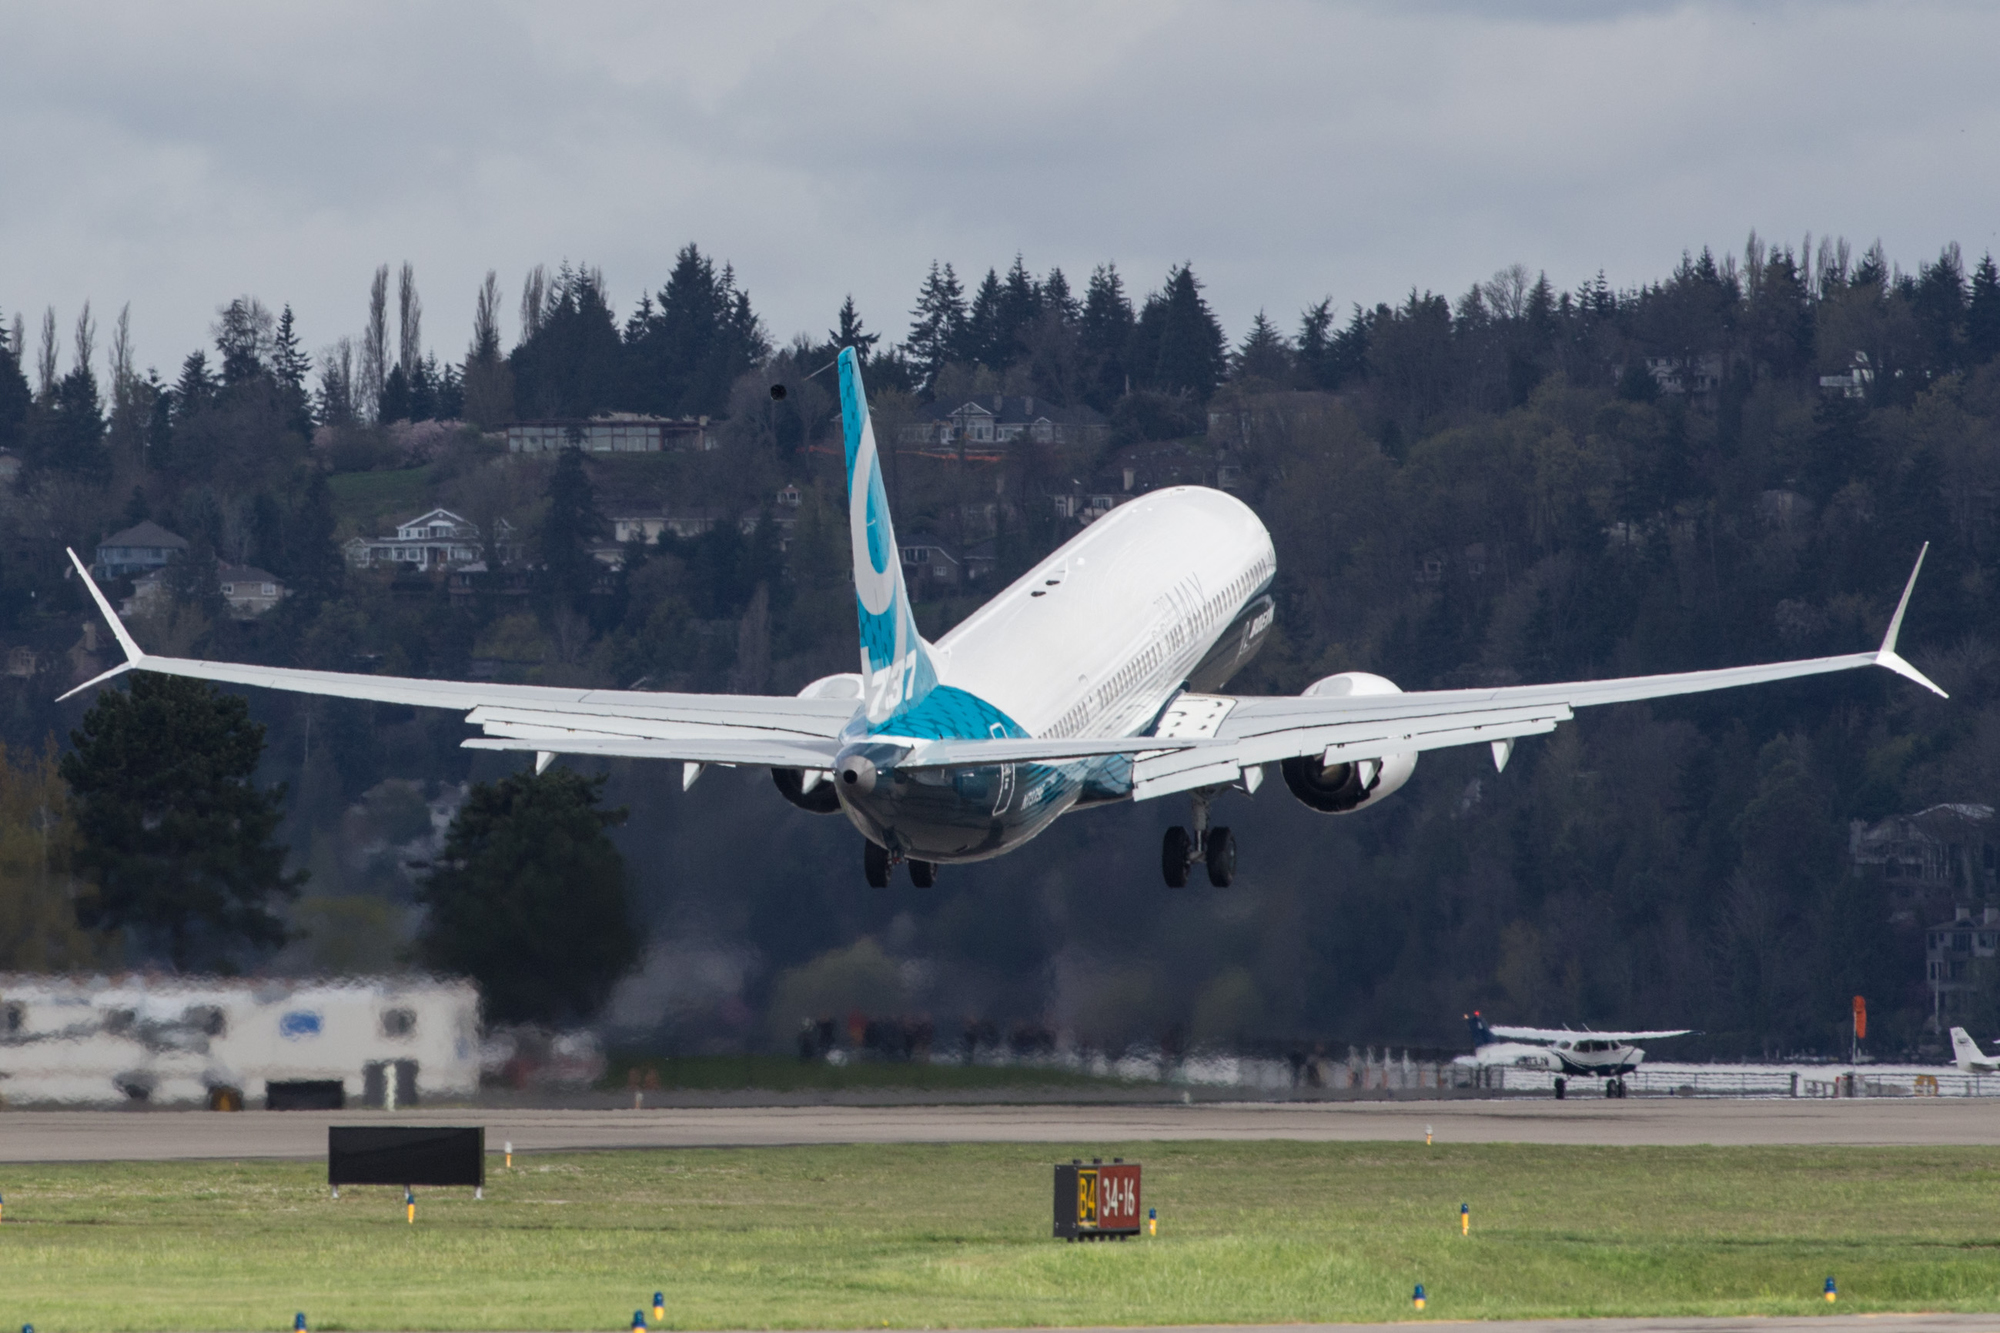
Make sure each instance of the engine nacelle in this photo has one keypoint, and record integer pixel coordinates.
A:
(1343, 788)
(819, 797)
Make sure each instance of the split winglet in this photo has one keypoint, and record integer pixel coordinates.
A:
(1887, 655)
(134, 655)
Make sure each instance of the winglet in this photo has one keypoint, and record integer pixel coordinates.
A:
(133, 654)
(1887, 655)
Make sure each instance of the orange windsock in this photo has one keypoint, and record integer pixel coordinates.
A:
(1860, 1019)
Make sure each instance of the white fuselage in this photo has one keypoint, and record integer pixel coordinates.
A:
(1098, 636)
(1091, 643)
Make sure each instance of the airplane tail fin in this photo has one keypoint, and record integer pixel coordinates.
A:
(1963, 1047)
(1481, 1034)
(896, 668)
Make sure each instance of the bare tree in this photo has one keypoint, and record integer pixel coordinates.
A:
(486, 320)
(86, 338)
(409, 321)
(534, 300)
(336, 384)
(1506, 292)
(18, 339)
(45, 362)
(374, 347)
(124, 379)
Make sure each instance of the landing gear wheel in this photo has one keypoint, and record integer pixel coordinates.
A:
(1610, 1089)
(1562, 1087)
(875, 865)
(1220, 853)
(1176, 854)
(923, 874)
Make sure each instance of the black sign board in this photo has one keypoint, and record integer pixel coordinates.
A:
(405, 1155)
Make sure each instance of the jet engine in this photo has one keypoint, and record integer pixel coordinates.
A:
(1343, 787)
(812, 789)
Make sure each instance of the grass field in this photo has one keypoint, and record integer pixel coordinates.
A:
(942, 1236)
(368, 500)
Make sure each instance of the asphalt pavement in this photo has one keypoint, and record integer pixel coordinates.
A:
(145, 1135)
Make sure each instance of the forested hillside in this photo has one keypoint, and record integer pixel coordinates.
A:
(1735, 463)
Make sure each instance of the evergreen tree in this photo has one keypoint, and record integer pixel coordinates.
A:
(289, 367)
(570, 525)
(686, 352)
(1104, 330)
(1180, 338)
(1982, 315)
(1020, 305)
(1939, 303)
(395, 400)
(529, 899)
(1264, 355)
(937, 329)
(1056, 296)
(1313, 357)
(849, 332)
(195, 390)
(985, 335)
(573, 363)
(174, 832)
(15, 396)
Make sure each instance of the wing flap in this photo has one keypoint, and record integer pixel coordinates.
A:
(753, 753)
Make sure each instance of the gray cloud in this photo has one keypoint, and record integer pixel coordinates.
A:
(174, 156)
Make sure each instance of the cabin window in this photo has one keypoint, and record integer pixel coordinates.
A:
(399, 1022)
(14, 1018)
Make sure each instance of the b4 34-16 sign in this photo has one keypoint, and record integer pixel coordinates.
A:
(1097, 1201)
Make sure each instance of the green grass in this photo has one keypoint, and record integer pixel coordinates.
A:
(777, 1073)
(369, 500)
(936, 1236)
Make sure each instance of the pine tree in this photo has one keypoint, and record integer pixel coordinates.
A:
(1020, 305)
(1105, 331)
(1982, 314)
(984, 334)
(1314, 354)
(938, 327)
(175, 832)
(688, 350)
(243, 337)
(570, 525)
(1190, 353)
(1265, 355)
(15, 396)
(1056, 296)
(289, 367)
(849, 332)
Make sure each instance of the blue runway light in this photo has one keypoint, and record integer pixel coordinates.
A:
(659, 1306)
(1831, 1294)
(299, 1322)
(1418, 1299)
(638, 1321)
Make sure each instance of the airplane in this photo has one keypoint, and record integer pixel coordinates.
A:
(1585, 1054)
(1097, 677)
(1968, 1057)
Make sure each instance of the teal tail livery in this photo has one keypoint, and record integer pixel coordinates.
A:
(896, 671)
(1098, 676)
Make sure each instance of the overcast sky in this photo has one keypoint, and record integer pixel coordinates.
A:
(175, 155)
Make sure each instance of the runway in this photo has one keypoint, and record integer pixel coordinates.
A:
(59, 1136)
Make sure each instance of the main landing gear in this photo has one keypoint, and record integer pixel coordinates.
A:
(1215, 847)
(877, 862)
(1614, 1087)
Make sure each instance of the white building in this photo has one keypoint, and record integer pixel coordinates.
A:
(180, 1040)
(439, 539)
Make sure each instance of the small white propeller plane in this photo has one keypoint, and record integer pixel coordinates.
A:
(1096, 677)
(1967, 1056)
(1572, 1054)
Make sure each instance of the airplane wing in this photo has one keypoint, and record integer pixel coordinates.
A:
(775, 730)
(1242, 733)
(1568, 1034)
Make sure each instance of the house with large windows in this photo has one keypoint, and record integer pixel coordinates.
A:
(439, 539)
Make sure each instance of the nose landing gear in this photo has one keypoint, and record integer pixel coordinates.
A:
(1215, 847)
